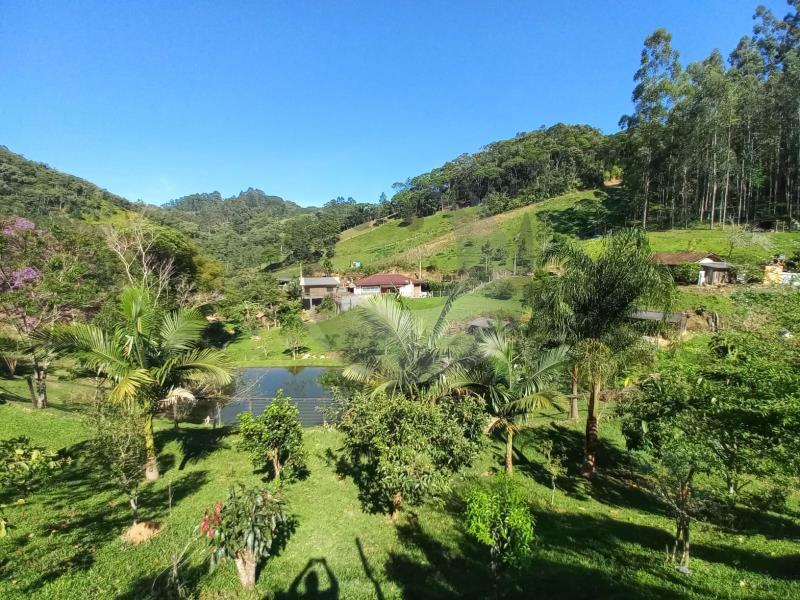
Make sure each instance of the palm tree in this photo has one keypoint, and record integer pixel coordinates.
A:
(514, 388)
(591, 298)
(152, 357)
(416, 363)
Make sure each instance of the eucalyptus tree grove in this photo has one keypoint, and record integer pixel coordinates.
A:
(714, 142)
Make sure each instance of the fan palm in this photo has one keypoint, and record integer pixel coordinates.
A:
(152, 358)
(416, 363)
(514, 388)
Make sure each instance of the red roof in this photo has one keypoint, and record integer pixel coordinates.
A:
(394, 279)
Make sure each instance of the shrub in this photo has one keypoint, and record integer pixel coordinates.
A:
(498, 516)
(248, 527)
(274, 439)
(501, 289)
(24, 466)
(686, 273)
(118, 445)
(401, 451)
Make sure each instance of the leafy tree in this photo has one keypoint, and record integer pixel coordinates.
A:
(149, 357)
(274, 439)
(42, 282)
(118, 444)
(515, 387)
(294, 334)
(400, 451)
(498, 516)
(249, 527)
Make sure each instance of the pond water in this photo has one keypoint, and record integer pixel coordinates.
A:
(256, 387)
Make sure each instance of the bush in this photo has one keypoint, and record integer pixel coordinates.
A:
(24, 466)
(686, 274)
(501, 289)
(498, 516)
(248, 527)
(118, 444)
(274, 439)
(402, 451)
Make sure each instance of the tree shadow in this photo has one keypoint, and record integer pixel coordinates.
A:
(613, 485)
(196, 443)
(169, 584)
(425, 567)
(777, 567)
(217, 336)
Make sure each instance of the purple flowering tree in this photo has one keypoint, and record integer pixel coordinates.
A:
(41, 284)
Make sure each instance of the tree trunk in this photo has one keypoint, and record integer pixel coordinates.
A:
(246, 566)
(39, 389)
(151, 468)
(276, 466)
(589, 468)
(573, 400)
(510, 452)
(394, 509)
(134, 508)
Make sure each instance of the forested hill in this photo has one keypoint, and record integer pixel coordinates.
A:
(239, 212)
(32, 189)
(509, 173)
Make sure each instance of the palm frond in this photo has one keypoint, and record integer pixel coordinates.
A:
(205, 365)
(440, 327)
(128, 386)
(181, 329)
(390, 321)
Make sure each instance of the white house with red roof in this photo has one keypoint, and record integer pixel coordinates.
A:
(388, 283)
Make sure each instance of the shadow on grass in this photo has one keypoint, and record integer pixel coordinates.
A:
(574, 557)
(85, 512)
(168, 584)
(777, 567)
(307, 583)
(196, 444)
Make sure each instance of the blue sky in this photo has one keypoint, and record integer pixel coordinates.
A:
(312, 100)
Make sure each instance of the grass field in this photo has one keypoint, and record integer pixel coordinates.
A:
(324, 338)
(599, 540)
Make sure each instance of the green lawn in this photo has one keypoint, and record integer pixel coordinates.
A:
(324, 338)
(599, 540)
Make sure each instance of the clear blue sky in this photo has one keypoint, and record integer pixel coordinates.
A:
(312, 100)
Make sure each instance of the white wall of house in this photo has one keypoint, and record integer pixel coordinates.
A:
(366, 290)
(407, 291)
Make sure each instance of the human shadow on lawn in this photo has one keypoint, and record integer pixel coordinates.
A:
(317, 581)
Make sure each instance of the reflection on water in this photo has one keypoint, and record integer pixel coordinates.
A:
(256, 387)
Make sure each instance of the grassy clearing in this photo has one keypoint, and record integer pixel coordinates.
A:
(324, 338)
(604, 539)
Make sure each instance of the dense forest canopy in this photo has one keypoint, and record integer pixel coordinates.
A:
(32, 189)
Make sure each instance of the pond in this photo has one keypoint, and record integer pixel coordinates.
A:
(256, 387)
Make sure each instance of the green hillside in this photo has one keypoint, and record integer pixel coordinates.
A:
(450, 240)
